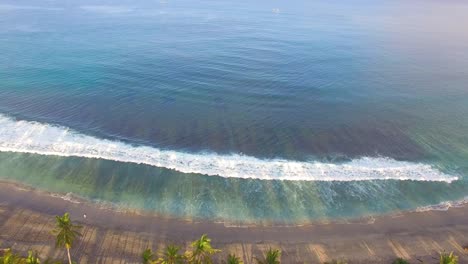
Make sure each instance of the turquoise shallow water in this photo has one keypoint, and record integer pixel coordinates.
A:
(265, 111)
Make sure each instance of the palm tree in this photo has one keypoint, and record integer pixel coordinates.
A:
(233, 259)
(66, 233)
(400, 261)
(171, 255)
(10, 258)
(272, 257)
(147, 256)
(32, 258)
(448, 258)
(202, 251)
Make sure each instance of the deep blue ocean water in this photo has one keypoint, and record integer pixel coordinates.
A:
(267, 111)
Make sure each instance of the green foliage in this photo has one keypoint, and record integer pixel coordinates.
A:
(233, 259)
(272, 256)
(147, 256)
(448, 258)
(65, 231)
(32, 258)
(10, 258)
(400, 261)
(202, 251)
(171, 255)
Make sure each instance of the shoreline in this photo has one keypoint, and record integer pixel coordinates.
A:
(112, 208)
(412, 235)
(108, 206)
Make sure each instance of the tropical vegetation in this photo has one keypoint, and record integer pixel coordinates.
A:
(66, 232)
(200, 251)
(233, 259)
(272, 256)
(400, 261)
(448, 258)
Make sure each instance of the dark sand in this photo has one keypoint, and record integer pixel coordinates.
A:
(27, 218)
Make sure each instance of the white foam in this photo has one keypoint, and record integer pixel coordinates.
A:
(69, 197)
(443, 206)
(46, 139)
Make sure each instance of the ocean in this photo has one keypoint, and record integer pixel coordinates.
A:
(264, 111)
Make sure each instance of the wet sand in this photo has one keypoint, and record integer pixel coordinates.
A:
(27, 218)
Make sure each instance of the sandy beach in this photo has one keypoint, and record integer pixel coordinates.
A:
(27, 218)
(332, 131)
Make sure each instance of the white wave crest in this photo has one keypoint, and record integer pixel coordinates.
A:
(46, 139)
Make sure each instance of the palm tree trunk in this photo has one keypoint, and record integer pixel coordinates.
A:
(68, 253)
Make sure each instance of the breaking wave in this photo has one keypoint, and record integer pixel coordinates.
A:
(46, 139)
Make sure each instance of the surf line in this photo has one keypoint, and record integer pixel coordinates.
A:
(46, 139)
